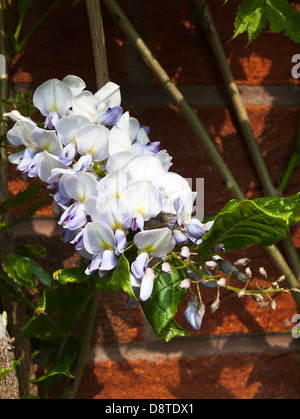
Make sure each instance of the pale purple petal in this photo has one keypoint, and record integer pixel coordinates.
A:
(94, 265)
(74, 217)
(26, 160)
(138, 267)
(195, 228)
(121, 241)
(83, 164)
(67, 155)
(179, 236)
(110, 117)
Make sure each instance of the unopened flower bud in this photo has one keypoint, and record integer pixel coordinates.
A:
(295, 290)
(242, 262)
(185, 252)
(248, 272)
(185, 283)
(221, 282)
(273, 304)
(200, 312)
(166, 267)
(179, 236)
(263, 273)
(219, 248)
(281, 278)
(258, 298)
(194, 312)
(211, 264)
(242, 293)
(215, 305)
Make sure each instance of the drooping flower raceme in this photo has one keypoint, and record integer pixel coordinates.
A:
(111, 184)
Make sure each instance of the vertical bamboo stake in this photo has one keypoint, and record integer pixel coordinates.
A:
(101, 69)
(98, 42)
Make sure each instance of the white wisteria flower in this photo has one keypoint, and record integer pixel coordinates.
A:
(111, 184)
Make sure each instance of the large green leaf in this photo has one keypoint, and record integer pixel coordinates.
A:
(161, 307)
(241, 224)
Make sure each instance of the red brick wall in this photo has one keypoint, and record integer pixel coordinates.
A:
(263, 72)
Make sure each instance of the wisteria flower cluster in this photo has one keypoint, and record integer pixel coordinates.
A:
(109, 181)
(128, 214)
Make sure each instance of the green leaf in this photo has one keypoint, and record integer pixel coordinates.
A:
(32, 250)
(284, 17)
(253, 16)
(23, 269)
(19, 269)
(172, 330)
(297, 210)
(241, 224)
(118, 279)
(60, 369)
(71, 276)
(5, 371)
(40, 273)
(162, 305)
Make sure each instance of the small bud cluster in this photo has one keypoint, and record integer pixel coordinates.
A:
(216, 273)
